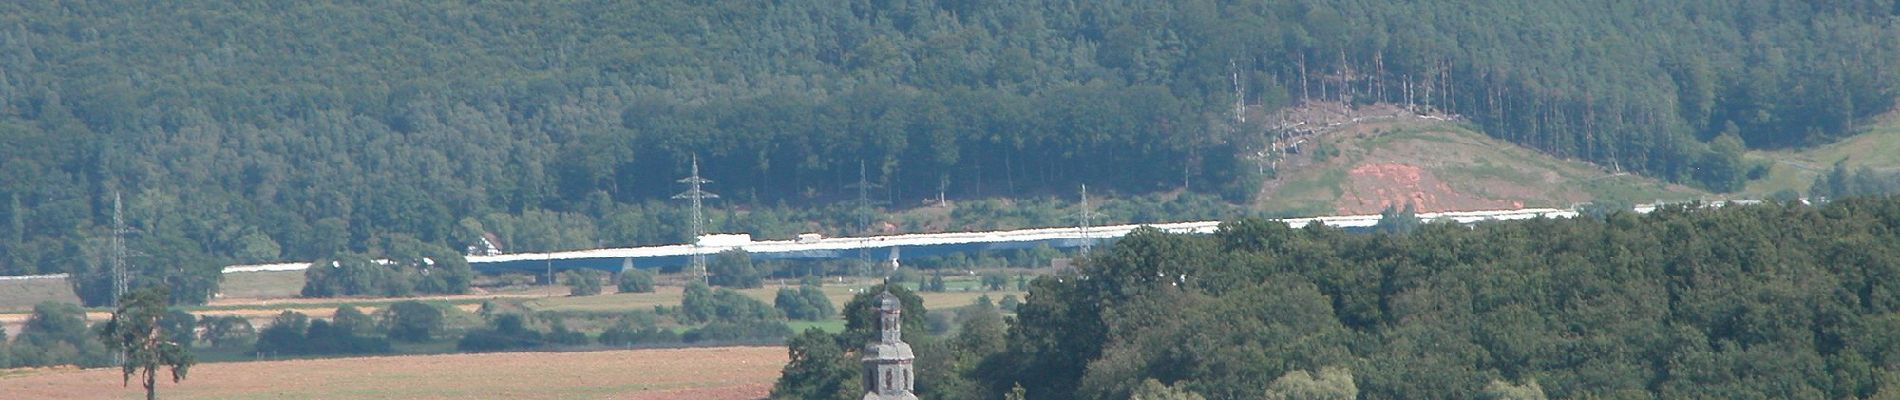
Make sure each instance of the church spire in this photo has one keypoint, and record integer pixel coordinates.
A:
(887, 360)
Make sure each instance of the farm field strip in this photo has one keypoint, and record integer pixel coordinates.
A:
(686, 373)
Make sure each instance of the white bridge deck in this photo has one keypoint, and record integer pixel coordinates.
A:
(922, 243)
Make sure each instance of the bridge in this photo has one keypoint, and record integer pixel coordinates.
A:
(910, 245)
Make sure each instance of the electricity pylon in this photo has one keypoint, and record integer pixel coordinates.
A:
(698, 196)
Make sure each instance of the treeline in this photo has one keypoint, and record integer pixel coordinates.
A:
(1763, 301)
(1865, 181)
(273, 131)
(1768, 301)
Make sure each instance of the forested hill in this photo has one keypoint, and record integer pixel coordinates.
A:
(271, 130)
(1756, 302)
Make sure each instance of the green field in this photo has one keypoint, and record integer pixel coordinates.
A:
(21, 295)
(1876, 146)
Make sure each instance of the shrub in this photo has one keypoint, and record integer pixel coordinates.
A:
(582, 282)
(353, 320)
(325, 338)
(705, 305)
(285, 335)
(935, 284)
(558, 334)
(741, 331)
(1009, 303)
(735, 269)
(995, 280)
(293, 333)
(635, 281)
(624, 335)
(56, 334)
(805, 303)
(227, 331)
(412, 321)
(407, 266)
(507, 332)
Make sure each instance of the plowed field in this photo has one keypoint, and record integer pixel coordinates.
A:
(695, 373)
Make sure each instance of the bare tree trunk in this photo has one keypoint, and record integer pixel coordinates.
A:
(151, 369)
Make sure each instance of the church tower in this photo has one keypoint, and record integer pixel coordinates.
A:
(887, 361)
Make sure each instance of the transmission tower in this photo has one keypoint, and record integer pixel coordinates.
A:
(699, 220)
(864, 204)
(1084, 219)
(121, 276)
(864, 187)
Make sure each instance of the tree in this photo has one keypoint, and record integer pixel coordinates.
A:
(723, 305)
(6, 355)
(1153, 390)
(582, 282)
(805, 303)
(1397, 220)
(635, 281)
(227, 331)
(1502, 390)
(819, 369)
(995, 280)
(1333, 383)
(735, 269)
(136, 333)
(506, 332)
(412, 321)
(56, 334)
(352, 320)
(285, 335)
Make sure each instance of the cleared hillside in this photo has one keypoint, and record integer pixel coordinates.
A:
(1438, 164)
(1876, 146)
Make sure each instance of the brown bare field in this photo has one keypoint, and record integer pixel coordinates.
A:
(695, 373)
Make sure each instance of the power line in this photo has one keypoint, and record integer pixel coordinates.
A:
(699, 220)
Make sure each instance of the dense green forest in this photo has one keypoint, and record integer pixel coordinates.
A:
(264, 131)
(1742, 302)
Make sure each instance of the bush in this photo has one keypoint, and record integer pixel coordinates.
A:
(353, 274)
(635, 281)
(935, 284)
(284, 335)
(325, 338)
(805, 303)
(353, 320)
(582, 282)
(624, 334)
(56, 334)
(407, 267)
(293, 333)
(227, 331)
(507, 332)
(181, 325)
(735, 269)
(560, 335)
(741, 331)
(1009, 303)
(995, 280)
(705, 305)
(412, 321)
